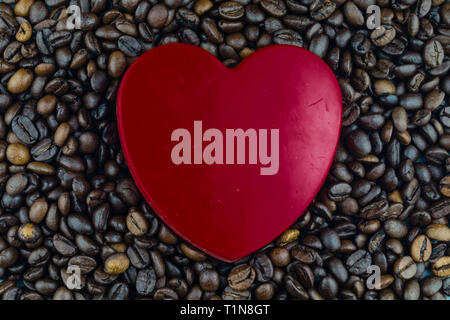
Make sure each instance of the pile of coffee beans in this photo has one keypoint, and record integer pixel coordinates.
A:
(68, 201)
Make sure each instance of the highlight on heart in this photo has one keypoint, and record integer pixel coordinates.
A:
(216, 152)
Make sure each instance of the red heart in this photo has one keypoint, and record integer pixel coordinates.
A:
(229, 210)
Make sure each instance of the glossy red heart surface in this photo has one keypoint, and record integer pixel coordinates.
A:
(229, 157)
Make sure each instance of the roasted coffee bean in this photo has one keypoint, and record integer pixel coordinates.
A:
(304, 254)
(63, 245)
(295, 289)
(24, 129)
(231, 294)
(136, 222)
(117, 263)
(358, 262)
(421, 248)
(359, 143)
(280, 257)
(241, 278)
(44, 150)
(439, 232)
(441, 268)
(330, 239)
(129, 46)
(86, 264)
(433, 53)
(405, 268)
(263, 267)
(145, 281)
(8, 257)
(430, 285)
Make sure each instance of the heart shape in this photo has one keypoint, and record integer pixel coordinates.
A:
(229, 210)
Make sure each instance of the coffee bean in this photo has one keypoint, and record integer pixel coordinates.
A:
(405, 268)
(117, 263)
(330, 239)
(439, 232)
(44, 150)
(241, 278)
(86, 264)
(295, 289)
(441, 268)
(38, 210)
(440, 209)
(8, 257)
(395, 228)
(17, 154)
(412, 290)
(433, 53)
(276, 8)
(305, 275)
(287, 36)
(400, 119)
(145, 281)
(129, 46)
(136, 222)
(280, 257)
(383, 35)
(20, 81)
(231, 294)
(421, 248)
(358, 262)
(359, 143)
(63, 245)
(263, 267)
(264, 291)
(430, 285)
(191, 253)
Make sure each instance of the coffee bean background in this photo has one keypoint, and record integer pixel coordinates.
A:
(67, 197)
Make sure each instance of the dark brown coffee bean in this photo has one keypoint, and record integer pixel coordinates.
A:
(358, 142)
(358, 262)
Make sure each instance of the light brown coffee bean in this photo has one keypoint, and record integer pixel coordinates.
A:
(46, 104)
(117, 63)
(405, 268)
(202, 6)
(117, 263)
(41, 168)
(421, 248)
(17, 154)
(61, 134)
(38, 210)
(20, 81)
(25, 31)
(383, 87)
(439, 232)
(22, 7)
(441, 268)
